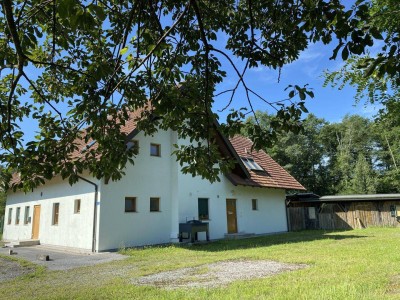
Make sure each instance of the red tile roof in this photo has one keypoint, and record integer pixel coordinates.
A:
(273, 177)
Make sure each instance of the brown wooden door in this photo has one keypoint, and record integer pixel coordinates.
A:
(36, 222)
(231, 215)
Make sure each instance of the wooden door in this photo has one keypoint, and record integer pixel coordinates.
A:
(36, 222)
(231, 215)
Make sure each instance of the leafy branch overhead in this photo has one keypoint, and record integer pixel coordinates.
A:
(77, 68)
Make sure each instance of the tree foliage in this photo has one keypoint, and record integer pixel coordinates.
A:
(354, 156)
(70, 64)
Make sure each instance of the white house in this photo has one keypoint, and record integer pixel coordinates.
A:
(148, 203)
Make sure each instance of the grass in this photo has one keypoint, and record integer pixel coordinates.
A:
(358, 264)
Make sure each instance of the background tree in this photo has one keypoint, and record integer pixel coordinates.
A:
(71, 64)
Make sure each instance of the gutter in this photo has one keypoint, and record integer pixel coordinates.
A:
(96, 192)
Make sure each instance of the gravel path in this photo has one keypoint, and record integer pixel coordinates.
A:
(10, 269)
(216, 274)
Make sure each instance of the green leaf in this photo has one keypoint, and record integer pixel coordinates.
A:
(123, 50)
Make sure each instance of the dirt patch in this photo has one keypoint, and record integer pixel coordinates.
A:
(216, 274)
(394, 285)
(10, 269)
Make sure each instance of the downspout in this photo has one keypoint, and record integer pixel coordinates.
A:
(96, 192)
(288, 214)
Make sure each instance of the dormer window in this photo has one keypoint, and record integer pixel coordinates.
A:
(251, 164)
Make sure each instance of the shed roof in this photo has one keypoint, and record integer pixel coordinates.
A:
(307, 198)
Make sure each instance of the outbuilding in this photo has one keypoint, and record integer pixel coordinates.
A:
(310, 211)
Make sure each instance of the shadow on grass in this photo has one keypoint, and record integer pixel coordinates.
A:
(270, 240)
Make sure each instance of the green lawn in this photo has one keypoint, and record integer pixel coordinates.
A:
(358, 264)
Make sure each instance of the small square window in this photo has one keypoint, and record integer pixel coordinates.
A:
(56, 210)
(254, 204)
(154, 204)
(130, 204)
(17, 214)
(133, 144)
(203, 208)
(26, 215)
(77, 206)
(155, 150)
(9, 216)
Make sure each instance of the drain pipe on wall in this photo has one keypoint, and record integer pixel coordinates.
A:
(96, 192)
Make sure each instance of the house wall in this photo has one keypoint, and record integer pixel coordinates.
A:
(270, 216)
(73, 230)
(149, 177)
(179, 193)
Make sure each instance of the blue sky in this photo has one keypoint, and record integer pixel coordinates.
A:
(329, 103)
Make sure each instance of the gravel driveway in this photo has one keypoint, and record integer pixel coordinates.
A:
(62, 260)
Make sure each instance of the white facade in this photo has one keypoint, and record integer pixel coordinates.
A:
(73, 229)
(151, 176)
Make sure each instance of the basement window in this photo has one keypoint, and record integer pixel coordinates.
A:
(26, 215)
(254, 204)
(17, 215)
(154, 204)
(203, 209)
(9, 216)
(77, 206)
(393, 212)
(251, 164)
(130, 204)
(56, 210)
(155, 150)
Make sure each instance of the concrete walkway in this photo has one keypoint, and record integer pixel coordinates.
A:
(61, 259)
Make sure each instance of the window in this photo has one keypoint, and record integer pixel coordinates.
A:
(133, 144)
(254, 204)
(130, 204)
(251, 164)
(26, 215)
(17, 214)
(9, 216)
(77, 206)
(393, 211)
(56, 210)
(311, 213)
(155, 150)
(203, 209)
(154, 204)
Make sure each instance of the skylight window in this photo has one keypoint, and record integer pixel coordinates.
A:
(251, 164)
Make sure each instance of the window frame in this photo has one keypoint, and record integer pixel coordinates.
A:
(9, 220)
(26, 215)
(158, 147)
(55, 214)
(157, 206)
(77, 206)
(203, 216)
(251, 164)
(130, 198)
(133, 143)
(254, 204)
(17, 215)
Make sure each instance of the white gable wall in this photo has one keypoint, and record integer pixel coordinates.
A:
(149, 177)
(73, 230)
